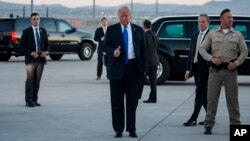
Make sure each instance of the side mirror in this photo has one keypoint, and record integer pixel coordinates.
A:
(71, 30)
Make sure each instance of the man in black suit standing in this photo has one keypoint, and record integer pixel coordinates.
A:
(125, 44)
(198, 67)
(34, 43)
(99, 37)
(152, 60)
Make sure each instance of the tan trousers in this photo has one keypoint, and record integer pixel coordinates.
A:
(216, 79)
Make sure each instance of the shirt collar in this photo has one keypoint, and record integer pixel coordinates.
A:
(35, 27)
(231, 29)
(128, 26)
(203, 32)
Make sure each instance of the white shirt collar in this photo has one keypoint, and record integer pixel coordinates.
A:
(205, 31)
(35, 27)
(128, 26)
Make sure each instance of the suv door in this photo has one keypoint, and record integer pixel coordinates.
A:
(69, 39)
(54, 38)
(173, 37)
(244, 28)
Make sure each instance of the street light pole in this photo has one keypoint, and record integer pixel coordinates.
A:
(156, 8)
(93, 9)
(132, 7)
(31, 6)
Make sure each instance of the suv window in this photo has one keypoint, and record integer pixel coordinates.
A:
(243, 30)
(6, 25)
(63, 26)
(22, 23)
(213, 26)
(49, 25)
(172, 30)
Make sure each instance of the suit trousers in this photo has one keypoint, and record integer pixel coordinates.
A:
(152, 74)
(215, 81)
(99, 63)
(34, 75)
(128, 87)
(201, 80)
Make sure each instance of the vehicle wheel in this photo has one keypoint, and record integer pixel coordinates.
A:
(5, 57)
(55, 56)
(86, 51)
(163, 71)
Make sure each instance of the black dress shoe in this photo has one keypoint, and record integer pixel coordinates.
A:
(149, 101)
(201, 123)
(37, 104)
(208, 131)
(118, 134)
(190, 123)
(30, 105)
(133, 134)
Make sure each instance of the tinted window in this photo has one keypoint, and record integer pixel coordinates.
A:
(21, 24)
(172, 30)
(243, 30)
(6, 25)
(213, 26)
(49, 25)
(63, 26)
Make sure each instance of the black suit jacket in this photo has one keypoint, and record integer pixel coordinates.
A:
(27, 44)
(203, 64)
(152, 45)
(113, 39)
(99, 33)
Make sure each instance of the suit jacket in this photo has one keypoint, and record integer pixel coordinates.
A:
(113, 39)
(99, 33)
(27, 44)
(203, 64)
(152, 45)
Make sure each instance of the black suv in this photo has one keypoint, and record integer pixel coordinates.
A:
(63, 38)
(174, 34)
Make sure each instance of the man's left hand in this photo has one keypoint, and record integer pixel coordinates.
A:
(44, 54)
(231, 66)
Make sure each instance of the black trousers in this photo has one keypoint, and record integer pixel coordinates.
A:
(126, 87)
(99, 64)
(152, 74)
(102, 59)
(34, 75)
(201, 81)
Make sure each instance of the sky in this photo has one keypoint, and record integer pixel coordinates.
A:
(78, 3)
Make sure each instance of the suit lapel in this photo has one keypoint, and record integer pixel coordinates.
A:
(102, 32)
(41, 37)
(133, 29)
(32, 38)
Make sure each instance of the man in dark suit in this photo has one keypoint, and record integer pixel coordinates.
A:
(125, 44)
(34, 43)
(99, 37)
(152, 60)
(198, 67)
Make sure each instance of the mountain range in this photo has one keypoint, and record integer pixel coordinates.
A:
(239, 7)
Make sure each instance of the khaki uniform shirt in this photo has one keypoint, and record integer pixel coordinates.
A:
(224, 45)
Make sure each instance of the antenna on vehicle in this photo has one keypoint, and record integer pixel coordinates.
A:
(23, 11)
(47, 12)
(11, 15)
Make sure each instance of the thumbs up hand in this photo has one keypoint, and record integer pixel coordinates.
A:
(117, 51)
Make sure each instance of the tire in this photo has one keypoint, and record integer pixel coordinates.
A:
(163, 71)
(55, 56)
(86, 51)
(5, 57)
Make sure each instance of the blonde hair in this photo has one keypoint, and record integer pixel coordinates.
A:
(124, 9)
